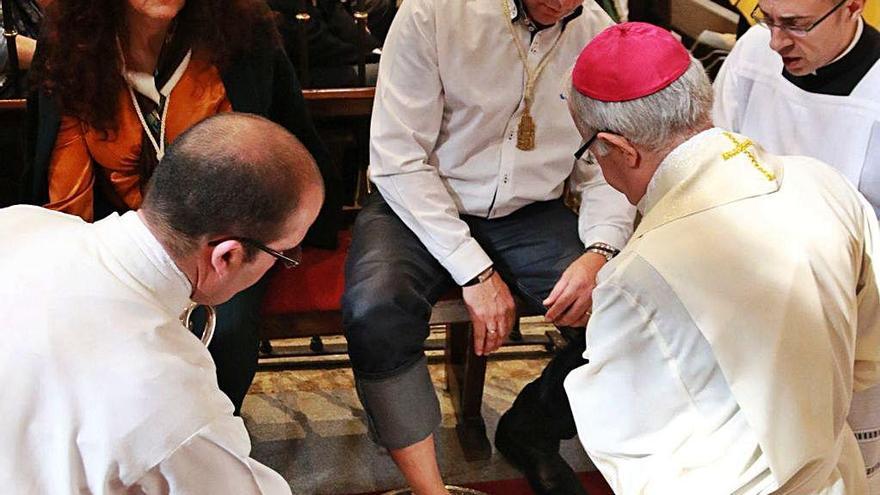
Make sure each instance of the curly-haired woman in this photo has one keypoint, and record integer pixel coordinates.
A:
(119, 80)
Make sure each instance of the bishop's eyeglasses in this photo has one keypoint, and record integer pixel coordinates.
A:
(290, 258)
(584, 147)
(790, 26)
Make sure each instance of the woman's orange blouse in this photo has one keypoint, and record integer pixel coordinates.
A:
(81, 152)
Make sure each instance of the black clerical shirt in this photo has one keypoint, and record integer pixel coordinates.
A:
(841, 77)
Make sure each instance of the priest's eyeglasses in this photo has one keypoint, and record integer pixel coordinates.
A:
(789, 26)
(290, 258)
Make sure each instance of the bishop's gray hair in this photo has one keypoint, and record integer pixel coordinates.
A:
(652, 121)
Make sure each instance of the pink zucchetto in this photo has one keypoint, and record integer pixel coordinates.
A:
(629, 61)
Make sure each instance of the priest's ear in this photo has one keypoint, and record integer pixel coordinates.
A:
(618, 147)
(225, 256)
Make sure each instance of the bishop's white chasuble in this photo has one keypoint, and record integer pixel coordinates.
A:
(728, 336)
(753, 97)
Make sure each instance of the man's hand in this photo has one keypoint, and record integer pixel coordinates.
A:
(492, 313)
(571, 300)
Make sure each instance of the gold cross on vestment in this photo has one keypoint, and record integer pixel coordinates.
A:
(742, 147)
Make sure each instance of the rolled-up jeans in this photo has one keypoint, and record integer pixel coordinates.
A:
(392, 281)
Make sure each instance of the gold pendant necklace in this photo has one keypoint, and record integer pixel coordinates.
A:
(526, 131)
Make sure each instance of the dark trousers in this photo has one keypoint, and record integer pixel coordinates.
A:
(236, 344)
(392, 282)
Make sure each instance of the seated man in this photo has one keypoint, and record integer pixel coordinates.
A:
(471, 148)
(106, 390)
(727, 338)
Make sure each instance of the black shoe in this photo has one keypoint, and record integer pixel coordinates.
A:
(546, 470)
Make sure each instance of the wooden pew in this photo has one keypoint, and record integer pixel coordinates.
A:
(332, 104)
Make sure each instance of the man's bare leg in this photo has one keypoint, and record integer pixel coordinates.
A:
(418, 463)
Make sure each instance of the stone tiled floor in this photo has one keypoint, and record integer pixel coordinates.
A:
(308, 425)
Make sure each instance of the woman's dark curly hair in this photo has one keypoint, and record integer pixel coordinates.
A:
(79, 64)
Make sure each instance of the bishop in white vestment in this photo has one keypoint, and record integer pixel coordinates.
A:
(798, 95)
(727, 338)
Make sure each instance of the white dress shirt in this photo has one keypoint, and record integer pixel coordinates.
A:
(105, 391)
(443, 131)
(728, 337)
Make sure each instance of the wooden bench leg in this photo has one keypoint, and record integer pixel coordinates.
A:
(465, 376)
(266, 347)
(316, 344)
(516, 333)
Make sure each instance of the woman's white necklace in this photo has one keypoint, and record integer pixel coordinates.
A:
(164, 101)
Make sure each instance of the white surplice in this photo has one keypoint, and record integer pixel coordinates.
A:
(727, 338)
(752, 97)
(105, 391)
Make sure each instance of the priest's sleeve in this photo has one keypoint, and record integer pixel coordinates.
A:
(214, 460)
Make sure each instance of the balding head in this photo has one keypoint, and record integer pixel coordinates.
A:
(231, 175)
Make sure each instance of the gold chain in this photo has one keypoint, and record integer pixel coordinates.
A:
(525, 134)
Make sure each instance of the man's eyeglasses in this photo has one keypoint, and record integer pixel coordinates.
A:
(584, 147)
(290, 258)
(787, 26)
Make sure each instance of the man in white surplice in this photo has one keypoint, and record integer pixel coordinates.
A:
(105, 390)
(728, 336)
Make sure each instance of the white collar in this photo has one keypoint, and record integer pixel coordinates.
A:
(675, 162)
(144, 258)
(145, 83)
